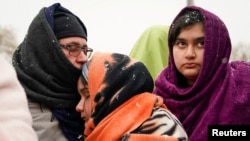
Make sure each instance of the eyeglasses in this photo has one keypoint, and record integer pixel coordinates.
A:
(75, 49)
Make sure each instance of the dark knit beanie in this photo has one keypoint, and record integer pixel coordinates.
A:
(68, 25)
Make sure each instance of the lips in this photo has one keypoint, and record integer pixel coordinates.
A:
(189, 65)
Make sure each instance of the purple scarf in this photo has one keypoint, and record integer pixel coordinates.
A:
(221, 93)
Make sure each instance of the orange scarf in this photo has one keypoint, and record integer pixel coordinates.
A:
(119, 110)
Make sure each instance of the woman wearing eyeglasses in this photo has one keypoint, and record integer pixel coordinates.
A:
(48, 63)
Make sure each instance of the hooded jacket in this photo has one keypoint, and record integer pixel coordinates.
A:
(221, 92)
(151, 49)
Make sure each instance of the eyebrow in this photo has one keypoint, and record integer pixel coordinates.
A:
(76, 43)
(73, 42)
(198, 39)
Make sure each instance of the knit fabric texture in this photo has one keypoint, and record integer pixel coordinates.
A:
(48, 77)
(68, 25)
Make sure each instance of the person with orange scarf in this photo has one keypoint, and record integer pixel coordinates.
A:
(117, 102)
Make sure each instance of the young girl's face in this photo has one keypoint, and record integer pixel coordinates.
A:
(188, 51)
(84, 105)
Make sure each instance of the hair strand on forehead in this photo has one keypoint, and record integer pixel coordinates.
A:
(186, 19)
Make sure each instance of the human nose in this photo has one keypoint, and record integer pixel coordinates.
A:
(79, 106)
(82, 57)
(190, 52)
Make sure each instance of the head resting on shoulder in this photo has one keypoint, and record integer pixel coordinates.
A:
(113, 78)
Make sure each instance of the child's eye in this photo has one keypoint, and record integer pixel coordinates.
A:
(201, 44)
(180, 44)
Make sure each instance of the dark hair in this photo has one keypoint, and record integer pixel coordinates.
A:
(186, 19)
